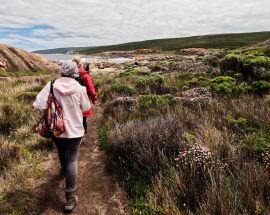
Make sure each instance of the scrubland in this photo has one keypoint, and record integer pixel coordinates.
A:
(20, 147)
(191, 135)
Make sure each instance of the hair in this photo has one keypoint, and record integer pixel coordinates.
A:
(77, 60)
(86, 67)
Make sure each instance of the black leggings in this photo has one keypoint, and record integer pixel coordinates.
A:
(85, 124)
(68, 156)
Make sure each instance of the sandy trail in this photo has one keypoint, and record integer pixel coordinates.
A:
(98, 191)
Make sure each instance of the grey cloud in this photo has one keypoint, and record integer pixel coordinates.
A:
(95, 22)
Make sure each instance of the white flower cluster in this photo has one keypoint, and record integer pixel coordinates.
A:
(198, 158)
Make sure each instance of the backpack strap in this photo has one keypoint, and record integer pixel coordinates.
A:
(51, 89)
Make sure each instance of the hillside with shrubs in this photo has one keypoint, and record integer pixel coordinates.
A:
(190, 133)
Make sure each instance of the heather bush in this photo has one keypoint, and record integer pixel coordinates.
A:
(133, 142)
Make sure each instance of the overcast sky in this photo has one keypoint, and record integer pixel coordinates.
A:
(33, 24)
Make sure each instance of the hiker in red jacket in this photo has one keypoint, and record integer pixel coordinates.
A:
(87, 82)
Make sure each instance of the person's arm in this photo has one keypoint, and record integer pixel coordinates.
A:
(90, 88)
(85, 103)
(42, 98)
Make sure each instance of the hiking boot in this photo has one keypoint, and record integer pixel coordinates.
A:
(71, 203)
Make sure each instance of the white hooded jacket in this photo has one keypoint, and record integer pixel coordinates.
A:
(74, 101)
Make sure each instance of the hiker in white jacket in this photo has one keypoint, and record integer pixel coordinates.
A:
(74, 102)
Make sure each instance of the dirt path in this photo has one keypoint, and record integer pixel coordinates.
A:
(98, 191)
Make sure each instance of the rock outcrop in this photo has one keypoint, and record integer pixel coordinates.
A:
(16, 60)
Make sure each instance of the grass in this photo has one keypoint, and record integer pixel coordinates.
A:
(208, 41)
(4, 73)
(20, 147)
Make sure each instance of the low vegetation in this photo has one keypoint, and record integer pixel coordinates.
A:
(20, 146)
(186, 136)
(192, 142)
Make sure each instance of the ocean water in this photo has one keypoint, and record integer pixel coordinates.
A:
(86, 59)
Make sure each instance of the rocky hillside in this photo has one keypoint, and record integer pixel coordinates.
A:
(16, 60)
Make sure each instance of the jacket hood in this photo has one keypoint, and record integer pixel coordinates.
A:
(66, 85)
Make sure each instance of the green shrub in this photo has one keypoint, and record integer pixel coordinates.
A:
(4, 73)
(228, 85)
(121, 89)
(239, 124)
(236, 75)
(145, 102)
(256, 144)
(103, 135)
(242, 88)
(232, 62)
(244, 64)
(221, 84)
(255, 52)
(154, 101)
(27, 96)
(260, 86)
(201, 81)
(117, 89)
(212, 60)
(133, 70)
(162, 66)
(259, 61)
(265, 75)
(151, 84)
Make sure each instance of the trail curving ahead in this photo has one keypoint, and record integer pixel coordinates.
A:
(98, 190)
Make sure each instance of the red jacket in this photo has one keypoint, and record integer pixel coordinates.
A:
(87, 82)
